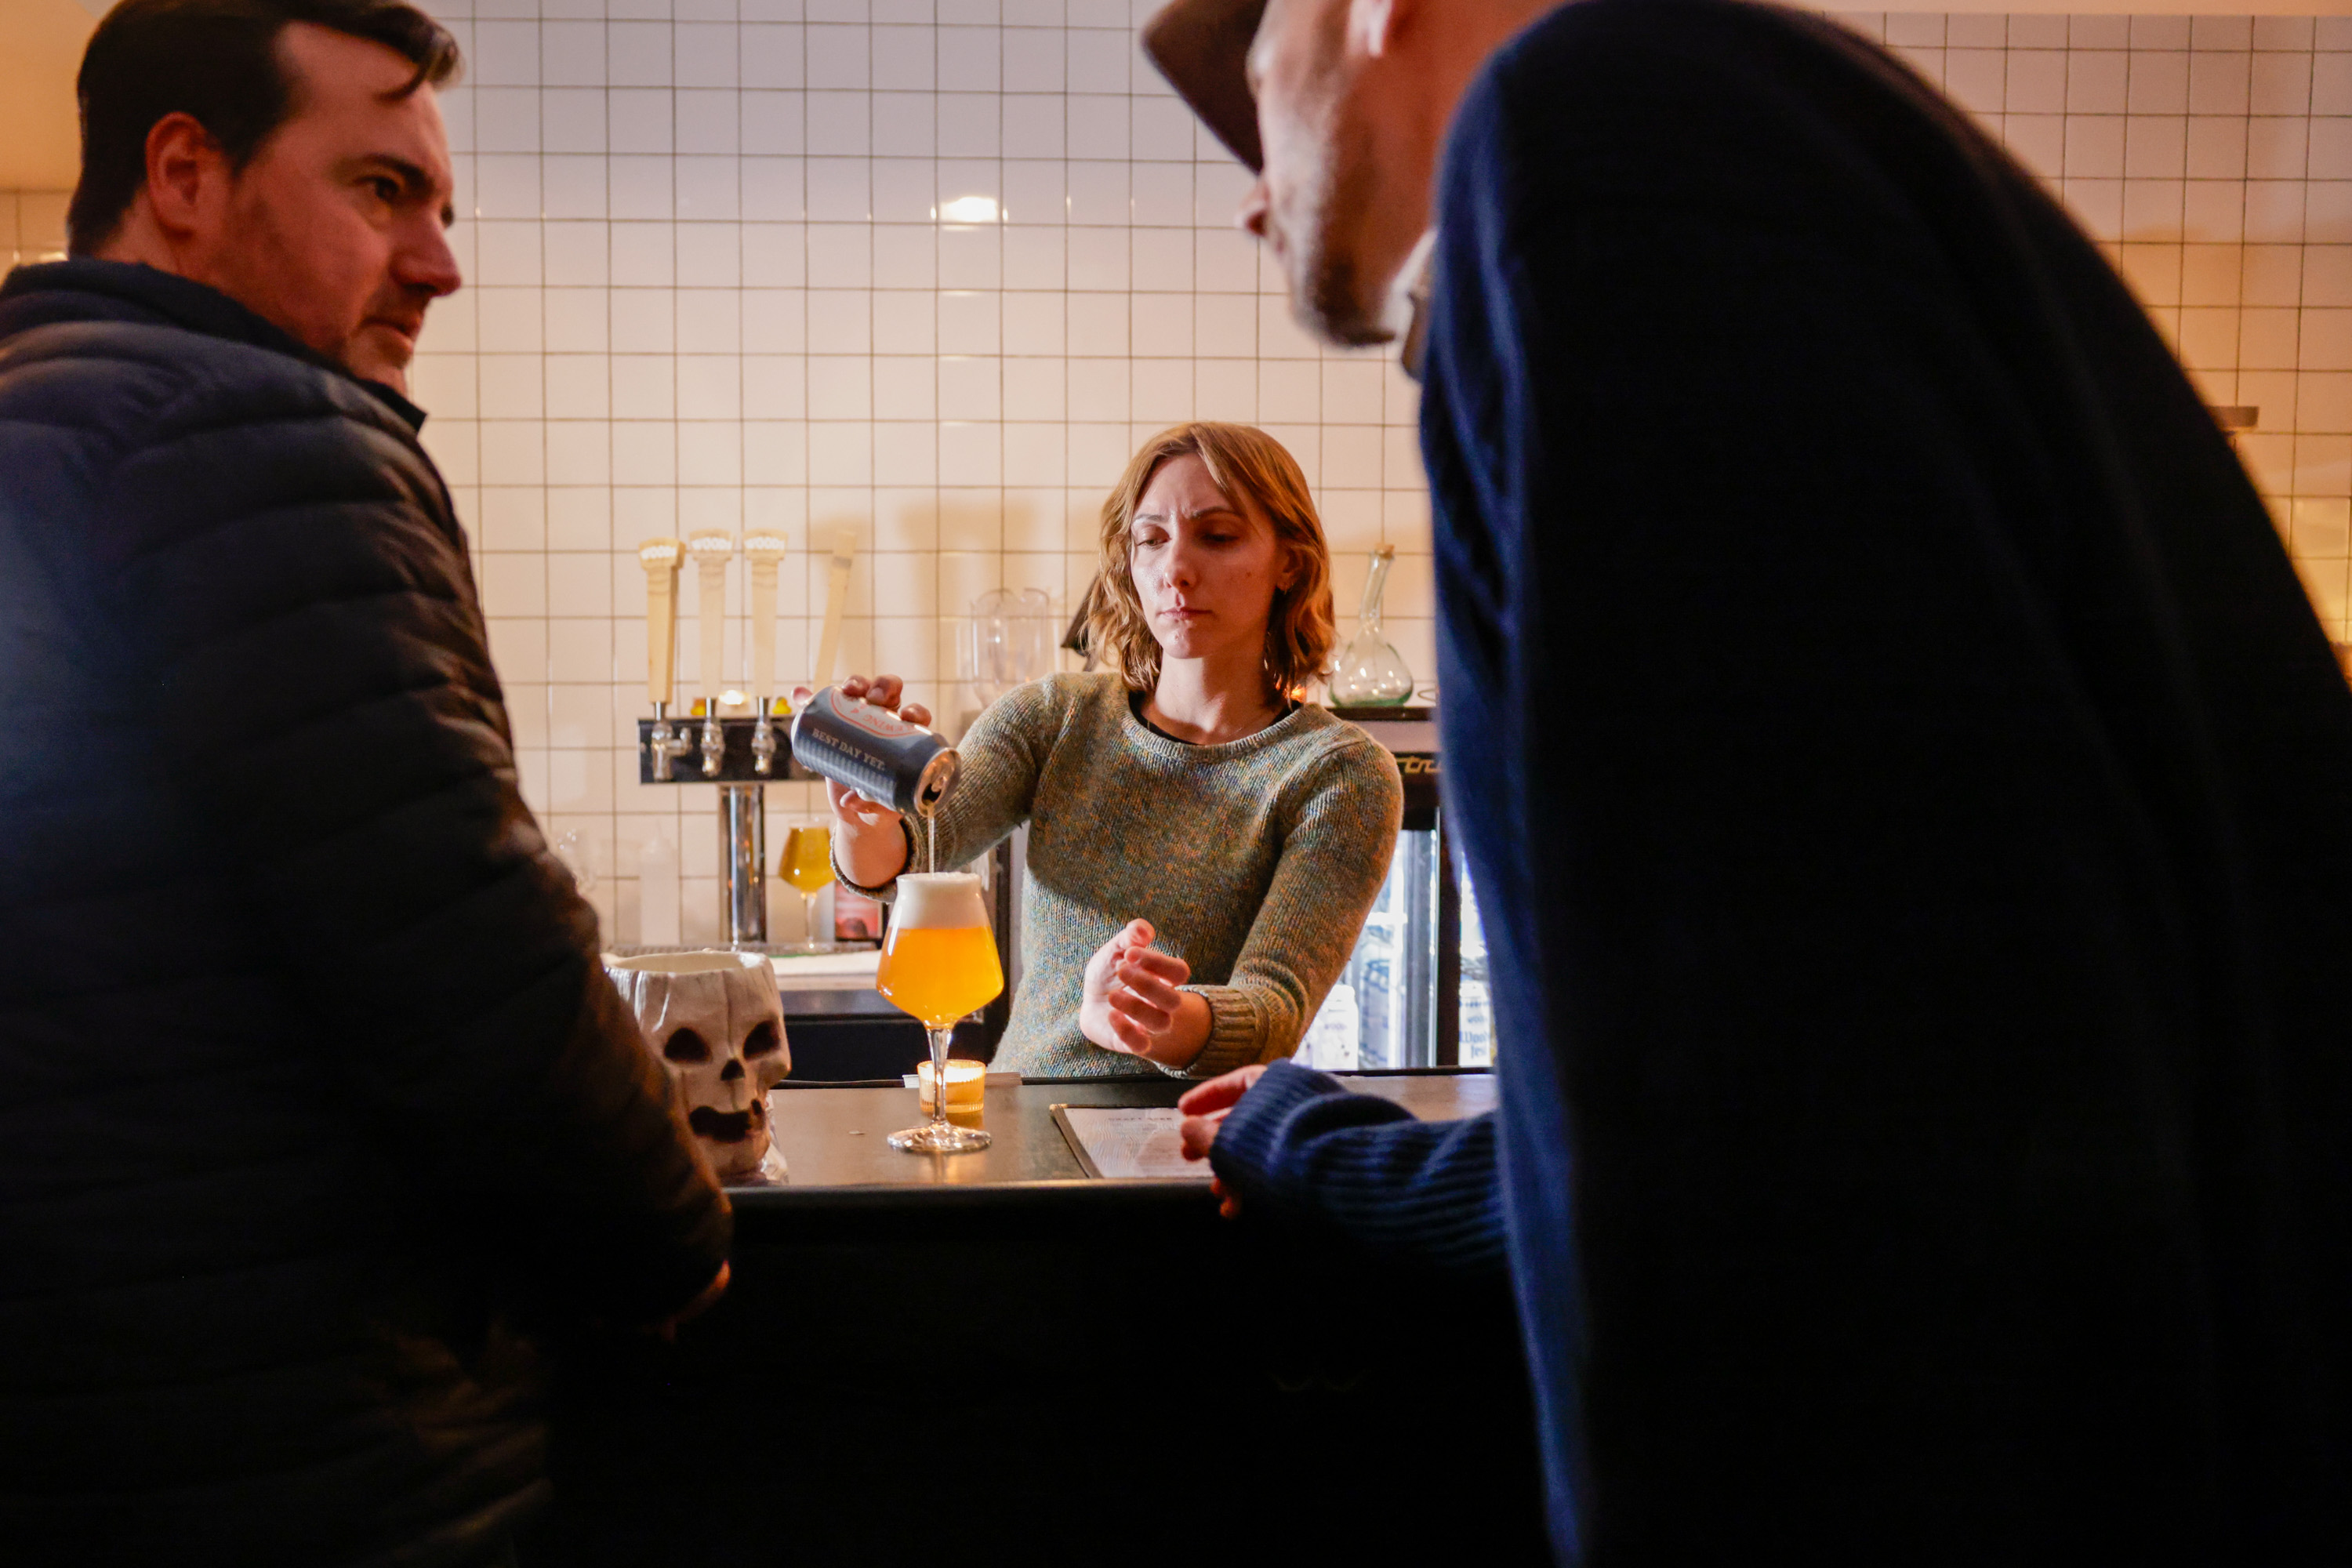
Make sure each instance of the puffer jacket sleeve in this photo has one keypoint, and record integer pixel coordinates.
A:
(307, 629)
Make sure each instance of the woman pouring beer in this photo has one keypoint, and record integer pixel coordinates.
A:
(1204, 846)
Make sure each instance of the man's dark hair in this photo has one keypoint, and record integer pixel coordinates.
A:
(218, 61)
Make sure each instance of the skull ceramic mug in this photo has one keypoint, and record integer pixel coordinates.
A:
(716, 1025)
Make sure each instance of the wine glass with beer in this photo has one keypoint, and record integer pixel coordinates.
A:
(807, 866)
(939, 963)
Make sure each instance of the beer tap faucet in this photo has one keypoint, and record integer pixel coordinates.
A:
(666, 744)
(763, 748)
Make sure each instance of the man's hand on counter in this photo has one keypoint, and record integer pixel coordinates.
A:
(668, 1328)
(1204, 1111)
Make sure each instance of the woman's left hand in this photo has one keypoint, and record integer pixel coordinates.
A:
(1132, 1001)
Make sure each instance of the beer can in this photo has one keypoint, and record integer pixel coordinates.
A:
(874, 751)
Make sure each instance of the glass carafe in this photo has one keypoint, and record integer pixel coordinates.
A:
(1008, 639)
(1370, 672)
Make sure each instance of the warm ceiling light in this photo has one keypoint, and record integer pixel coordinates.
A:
(971, 209)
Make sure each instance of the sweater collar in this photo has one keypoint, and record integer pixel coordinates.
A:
(1148, 737)
(178, 302)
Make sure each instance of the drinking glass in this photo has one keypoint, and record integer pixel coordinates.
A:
(807, 865)
(939, 963)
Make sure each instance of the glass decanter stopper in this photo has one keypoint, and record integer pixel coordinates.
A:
(1370, 671)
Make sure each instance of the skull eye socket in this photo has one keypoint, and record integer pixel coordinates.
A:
(762, 1039)
(686, 1045)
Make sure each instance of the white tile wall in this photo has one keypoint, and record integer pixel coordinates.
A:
(2213, 157)
(32, 225)
(715, 281)
(711, 285)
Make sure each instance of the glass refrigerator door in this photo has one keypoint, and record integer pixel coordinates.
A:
(1413, 993)
(1475, 1042)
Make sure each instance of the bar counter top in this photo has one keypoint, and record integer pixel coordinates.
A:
(834, 1138)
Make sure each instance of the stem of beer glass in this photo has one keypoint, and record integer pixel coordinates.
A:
(940, 1038)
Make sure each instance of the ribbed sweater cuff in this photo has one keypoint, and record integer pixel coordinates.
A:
(881, 892)
(1235, 1033)
(1299, 1145)
(1257, 1148)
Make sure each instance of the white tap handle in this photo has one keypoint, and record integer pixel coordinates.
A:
(713, 551)
(764, 549)
(836, 602)
(660, 558)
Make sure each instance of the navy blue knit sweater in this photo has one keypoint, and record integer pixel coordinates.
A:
(1301, 1146)
(1911, 802)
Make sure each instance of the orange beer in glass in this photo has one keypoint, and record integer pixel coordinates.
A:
(808, 858)
(807, 866)
(939, 963)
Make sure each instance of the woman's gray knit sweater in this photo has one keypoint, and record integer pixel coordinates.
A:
(1255, 861)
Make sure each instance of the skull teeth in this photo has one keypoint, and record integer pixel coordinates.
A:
(726, 1126)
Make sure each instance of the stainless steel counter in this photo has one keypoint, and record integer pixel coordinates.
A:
(834, 1138)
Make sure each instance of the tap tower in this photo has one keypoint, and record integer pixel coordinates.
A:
(736, 746)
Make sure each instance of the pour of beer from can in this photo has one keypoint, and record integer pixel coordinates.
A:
(874, 751)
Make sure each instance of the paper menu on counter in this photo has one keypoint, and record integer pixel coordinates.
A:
(1129, 1144)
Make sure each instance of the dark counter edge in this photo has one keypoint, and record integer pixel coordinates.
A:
(1079, 1196)
(1152, 1077)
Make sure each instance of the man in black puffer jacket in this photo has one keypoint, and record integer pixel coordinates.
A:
(310, 1082)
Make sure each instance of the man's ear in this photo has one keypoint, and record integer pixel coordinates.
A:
(187, 176)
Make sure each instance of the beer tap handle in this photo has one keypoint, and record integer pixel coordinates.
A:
(661, 559)
(763, 549)
(713, 551)
(836, 602)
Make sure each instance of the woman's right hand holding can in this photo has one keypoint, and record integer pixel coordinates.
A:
(872, 843)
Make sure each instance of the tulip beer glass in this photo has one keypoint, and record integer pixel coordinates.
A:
(807, 866)
(939, 963)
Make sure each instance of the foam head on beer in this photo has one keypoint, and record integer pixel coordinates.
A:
(939, 961)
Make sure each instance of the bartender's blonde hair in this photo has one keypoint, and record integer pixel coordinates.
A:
(1258, 476)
